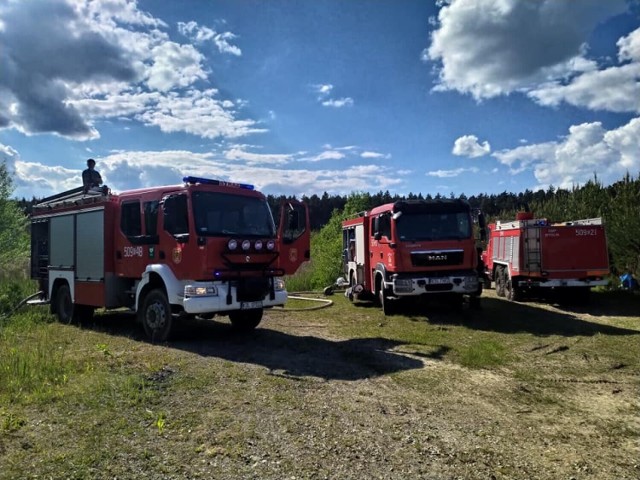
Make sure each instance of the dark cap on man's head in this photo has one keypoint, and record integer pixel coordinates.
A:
(91, 161)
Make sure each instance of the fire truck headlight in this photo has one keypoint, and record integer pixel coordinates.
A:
(278, 284)
(246, 245)
(199, 291)
(271, 245)
(232, 245)
(403, 285)
(258, 245)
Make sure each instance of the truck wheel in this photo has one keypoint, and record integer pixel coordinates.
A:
(64, 305)
(155, 316)
(385, 303)
(499, 275)
(512, 291)
(245, 320)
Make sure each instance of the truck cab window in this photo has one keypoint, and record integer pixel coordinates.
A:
(176, 214)
(151, 217)
(130, 219)
(384, 225)
(296, 222)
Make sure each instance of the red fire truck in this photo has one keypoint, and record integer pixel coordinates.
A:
(412, 248)
(532, 254)
(200, 248)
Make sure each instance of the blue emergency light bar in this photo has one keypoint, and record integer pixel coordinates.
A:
(210, 181)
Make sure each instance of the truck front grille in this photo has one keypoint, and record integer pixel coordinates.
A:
(437, 258)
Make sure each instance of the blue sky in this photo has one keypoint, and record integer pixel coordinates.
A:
(302, 97)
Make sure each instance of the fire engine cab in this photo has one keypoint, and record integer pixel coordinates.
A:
(412, 248)
(204, 247)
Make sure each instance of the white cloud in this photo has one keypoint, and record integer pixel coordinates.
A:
(615, 89)
(587, 149)
(370, 154)
(200, 34)
(326, 155)
(338, 102)
(323, 89)
(451, 173)
(198, 113)
(106, 67)
(469, 146)
(493, 47)
(174, 66)
(324, 96)
(257, 158)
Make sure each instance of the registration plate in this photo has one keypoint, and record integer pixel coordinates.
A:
(250, 305)
(438, 281)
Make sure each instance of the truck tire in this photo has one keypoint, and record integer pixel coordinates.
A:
(385, 303)
(155, 316)
(512, 291)
(499, 275)
(245, 320)
(64, 305)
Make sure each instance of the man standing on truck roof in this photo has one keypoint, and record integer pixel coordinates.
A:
(91, 177)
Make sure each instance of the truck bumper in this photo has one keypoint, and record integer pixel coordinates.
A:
(561, 283)
(463, 283)
(218, 302)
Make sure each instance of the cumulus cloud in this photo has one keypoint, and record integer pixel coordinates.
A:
(469, 146)
(90, 60)
(488, 48)
(370, 154)
(338, 102)
(588, 148)
(326, 155)
(196, 112)
(324, 97)
(238, 153)
(38, 63)
(201, 34)
(451, 173)
(615, 88)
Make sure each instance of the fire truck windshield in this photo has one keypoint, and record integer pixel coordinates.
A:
(412, 227)
(222, 214)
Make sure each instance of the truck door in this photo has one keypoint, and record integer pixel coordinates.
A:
(129, 241)
(295, 236)
(178, 248)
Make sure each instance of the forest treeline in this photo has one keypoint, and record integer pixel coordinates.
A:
(618, 204)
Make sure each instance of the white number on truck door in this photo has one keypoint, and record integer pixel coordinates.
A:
(133, 251)
(584, 232)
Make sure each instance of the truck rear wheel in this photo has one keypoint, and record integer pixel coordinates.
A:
(512, 291)
(64, 304)
(499, 276)
(156, 316)
(245, 320)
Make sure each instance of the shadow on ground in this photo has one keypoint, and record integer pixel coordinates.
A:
(500, 315)
(280, 352)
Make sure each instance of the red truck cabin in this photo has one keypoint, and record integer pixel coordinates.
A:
(412, 248)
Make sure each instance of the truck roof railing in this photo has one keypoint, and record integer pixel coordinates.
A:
(75, 196)
(210, 181)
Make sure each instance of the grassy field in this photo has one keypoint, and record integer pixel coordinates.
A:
(523, 390)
